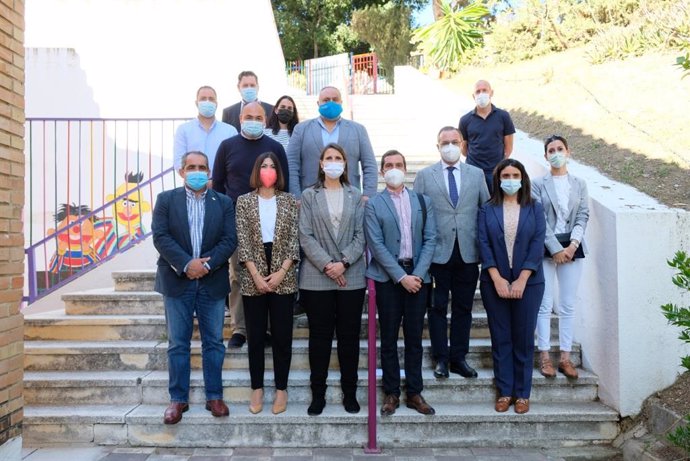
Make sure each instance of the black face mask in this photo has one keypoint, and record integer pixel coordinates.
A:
(284, 115)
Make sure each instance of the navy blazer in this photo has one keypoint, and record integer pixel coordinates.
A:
(171, 238)
(528, 250)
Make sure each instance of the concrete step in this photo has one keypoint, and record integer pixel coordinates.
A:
(134, 280)
(151, 387)
(151, 355)
(61, 327)
(110, 302)
(547, 425)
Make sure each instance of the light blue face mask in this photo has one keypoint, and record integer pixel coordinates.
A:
(249, 93)
(511, 186)
(207, 108)
(252, 128)
(196, 180)
(557, 159)
(330, 110)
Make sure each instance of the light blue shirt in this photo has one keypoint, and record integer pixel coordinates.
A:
(326, 136)
(191, 136)
(196, 211)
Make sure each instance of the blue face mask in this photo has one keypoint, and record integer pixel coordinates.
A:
(330, 110)
(207, 108)
(249, 94)
(252, 128)
(196, 180)
(511, 186)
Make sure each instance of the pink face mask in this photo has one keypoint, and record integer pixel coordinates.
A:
(268, 177)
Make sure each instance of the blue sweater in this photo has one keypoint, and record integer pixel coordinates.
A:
(235, 160)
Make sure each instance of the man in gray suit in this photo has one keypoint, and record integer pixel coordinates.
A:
(400, 230)
(309, 138)
(457, 190)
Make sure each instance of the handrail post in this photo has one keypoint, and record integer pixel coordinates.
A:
(372, 446)
(31, 268)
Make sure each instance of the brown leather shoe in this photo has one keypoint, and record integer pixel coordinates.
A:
(217, 407)
(502, 404)
(566, 367)
(521, 406)
(390, 403)
(173, 414)
(546, 368)
(418, 403)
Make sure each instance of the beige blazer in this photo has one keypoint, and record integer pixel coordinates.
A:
(321, 245)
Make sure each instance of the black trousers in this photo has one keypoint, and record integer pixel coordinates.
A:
(395, 305)
(257, 311)
(460, 279)
(330, 311)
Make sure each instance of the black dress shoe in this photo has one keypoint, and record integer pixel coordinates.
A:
(441, 370)
(350, 403)
(463, 369)
(318, 402)
(237, 340)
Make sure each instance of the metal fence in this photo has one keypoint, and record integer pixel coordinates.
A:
(90, 187)
(359, 74)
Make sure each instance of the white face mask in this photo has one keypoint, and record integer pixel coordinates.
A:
(450, 153)
(482, 99)
(394, 178)
(334, 170)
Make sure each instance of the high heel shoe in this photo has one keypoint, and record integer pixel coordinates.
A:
(279, 402)
(256, 402)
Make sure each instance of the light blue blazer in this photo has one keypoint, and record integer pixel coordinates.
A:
(382, 231)
(544, 190)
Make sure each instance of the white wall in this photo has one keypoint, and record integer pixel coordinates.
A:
(146, 58)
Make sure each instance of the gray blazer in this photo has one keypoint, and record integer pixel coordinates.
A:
(304, 151)
(459, 222)
(544, 190)
(382, 230)
(321, 245)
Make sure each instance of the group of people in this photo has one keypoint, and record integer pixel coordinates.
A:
(274, 206)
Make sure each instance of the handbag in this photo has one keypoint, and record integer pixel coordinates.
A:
(564, 240)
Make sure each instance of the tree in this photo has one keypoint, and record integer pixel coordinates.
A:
(387, 29)
(313, 28)
(447, 39)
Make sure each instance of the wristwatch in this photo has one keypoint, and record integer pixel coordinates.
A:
(345, 263)
(208, 268)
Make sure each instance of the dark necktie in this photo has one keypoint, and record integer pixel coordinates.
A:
(452, 187)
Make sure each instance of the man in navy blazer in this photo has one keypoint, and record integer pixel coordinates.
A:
(194, 233)
(248, 87)
(457, 190)
(309, 138)
(400, 229)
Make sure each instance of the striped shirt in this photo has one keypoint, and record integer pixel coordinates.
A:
(196, 210)
(283, 137)
(401, 201)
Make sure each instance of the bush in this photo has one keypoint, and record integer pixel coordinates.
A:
(680, 316)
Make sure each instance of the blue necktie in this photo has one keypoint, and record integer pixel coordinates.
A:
(452, 187)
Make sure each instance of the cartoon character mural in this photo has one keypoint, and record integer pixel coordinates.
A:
(125, 226)
(76, 242)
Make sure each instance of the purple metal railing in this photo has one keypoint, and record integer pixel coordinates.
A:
(77, 170)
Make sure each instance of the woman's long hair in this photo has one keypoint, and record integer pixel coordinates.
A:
(322, 176)
(273, 122)
(524, 195)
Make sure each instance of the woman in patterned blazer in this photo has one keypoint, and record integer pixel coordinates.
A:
(268, 251)
(331, 276)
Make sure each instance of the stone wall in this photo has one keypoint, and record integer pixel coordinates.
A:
(11, 237)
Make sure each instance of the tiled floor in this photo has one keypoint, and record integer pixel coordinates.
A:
(285, 454)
